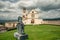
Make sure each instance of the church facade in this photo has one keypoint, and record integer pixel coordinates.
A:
(31, 17)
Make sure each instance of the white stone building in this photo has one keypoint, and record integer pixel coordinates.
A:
(31, 17)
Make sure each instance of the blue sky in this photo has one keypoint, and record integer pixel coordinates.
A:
(11, 9)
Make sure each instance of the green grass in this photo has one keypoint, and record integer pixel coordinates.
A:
(36, 32)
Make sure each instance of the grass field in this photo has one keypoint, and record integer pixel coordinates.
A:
(36, 32)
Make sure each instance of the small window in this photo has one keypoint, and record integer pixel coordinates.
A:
(23, 16)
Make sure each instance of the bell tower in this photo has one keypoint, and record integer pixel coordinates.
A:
(24, 16)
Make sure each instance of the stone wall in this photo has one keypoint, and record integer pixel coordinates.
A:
(37, 21)
(56, 22)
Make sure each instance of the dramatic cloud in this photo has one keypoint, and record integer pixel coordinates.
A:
(8, 11)
(11, 9)
(50, 14)
(48, 8)
(4, 5)
(42, 4)
(12, 1)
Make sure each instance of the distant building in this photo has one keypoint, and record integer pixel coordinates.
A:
(8, 23)
(30, 17)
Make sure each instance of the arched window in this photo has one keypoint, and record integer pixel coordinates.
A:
(32, 21)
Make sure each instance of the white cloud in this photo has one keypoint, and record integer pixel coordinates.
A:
(39, 3)
(46, 8)
(9, 11)
(4, 5)
(50, 14)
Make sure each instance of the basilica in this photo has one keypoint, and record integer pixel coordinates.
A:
(32, 17)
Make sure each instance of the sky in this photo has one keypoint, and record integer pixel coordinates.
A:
(11, 9)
